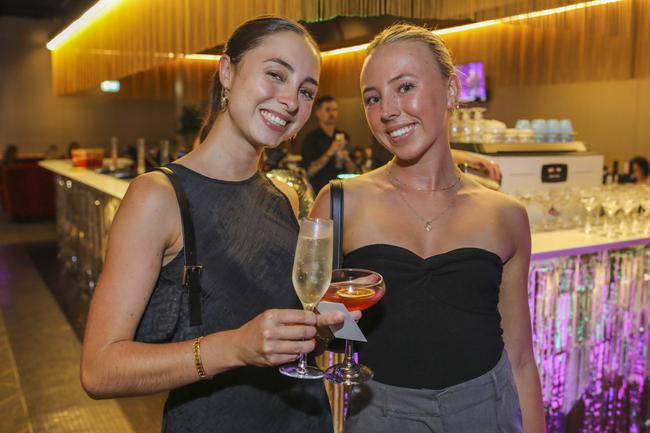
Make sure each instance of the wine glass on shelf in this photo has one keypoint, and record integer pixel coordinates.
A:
(629, 206)
(589, 203)
(311, 275)
(478, 124)
(455, 126)
(357, 289)
(545, 202)
(465, 126)
(644, 225)
(611, 206)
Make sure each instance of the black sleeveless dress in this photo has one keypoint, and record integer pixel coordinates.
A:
(438, 324)
(246, 237)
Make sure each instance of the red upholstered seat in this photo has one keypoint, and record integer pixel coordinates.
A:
(28, 191)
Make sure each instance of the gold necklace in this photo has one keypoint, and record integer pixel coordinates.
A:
(428, 223)
(392, 177)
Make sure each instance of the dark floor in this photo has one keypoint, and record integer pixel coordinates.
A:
(40, 346)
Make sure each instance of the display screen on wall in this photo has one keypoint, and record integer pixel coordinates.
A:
(472, 82)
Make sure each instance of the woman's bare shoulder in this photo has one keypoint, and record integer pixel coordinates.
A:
(150, 202)
(496, 198)
(365, 184)
(355, 189)
(148, 214)
(151, 189)
(508, 208)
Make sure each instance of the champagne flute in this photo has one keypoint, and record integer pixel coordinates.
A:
(357, 289)
(312, 273)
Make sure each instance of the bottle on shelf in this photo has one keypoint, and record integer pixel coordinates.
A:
(140, 148)
(164, 152)
(615, 171)
(626, 175)
(114, 153)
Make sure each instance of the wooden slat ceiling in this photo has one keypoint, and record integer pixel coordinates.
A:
(44, 9)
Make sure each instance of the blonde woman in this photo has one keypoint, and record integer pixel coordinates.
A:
(450, 343)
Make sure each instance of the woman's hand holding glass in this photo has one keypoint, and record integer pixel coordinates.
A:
(312, 272)
(276, 337)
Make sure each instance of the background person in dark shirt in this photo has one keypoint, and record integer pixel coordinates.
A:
(325, 149)
(10, 155)
(640, 169)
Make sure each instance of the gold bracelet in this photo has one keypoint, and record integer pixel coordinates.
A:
(197, 359)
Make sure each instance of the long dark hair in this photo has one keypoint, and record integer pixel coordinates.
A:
(10, 155)
(246, 37)
(642, 163)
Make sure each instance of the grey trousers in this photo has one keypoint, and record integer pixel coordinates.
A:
(486, 404)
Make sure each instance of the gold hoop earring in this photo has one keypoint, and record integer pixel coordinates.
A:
(223, 103)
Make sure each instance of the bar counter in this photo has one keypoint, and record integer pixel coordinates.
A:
(545, 245)
(103, 183)
(589, 298)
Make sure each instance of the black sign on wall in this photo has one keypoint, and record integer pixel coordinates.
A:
(552, 173)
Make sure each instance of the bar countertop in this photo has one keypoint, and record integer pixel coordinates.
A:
(545, 245)
(102, 182)
(560, 243)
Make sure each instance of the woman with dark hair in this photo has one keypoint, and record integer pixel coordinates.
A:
(222, 374)
(450, 343)
(72, 146)
(640, 169)
(10, 155)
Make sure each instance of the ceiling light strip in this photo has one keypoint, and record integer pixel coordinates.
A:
(97, 11)
(209, 57)
(465, 27)
(103, 6)
(558, 10)
(489, 23)
(345, 50)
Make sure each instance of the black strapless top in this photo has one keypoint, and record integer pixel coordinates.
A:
(438, 324)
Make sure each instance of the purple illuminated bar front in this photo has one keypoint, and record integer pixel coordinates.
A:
(590, 315)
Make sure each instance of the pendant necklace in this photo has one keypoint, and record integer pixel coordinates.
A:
(428, 223)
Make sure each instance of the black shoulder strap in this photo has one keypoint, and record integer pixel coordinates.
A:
(191, 270)
(336, 213)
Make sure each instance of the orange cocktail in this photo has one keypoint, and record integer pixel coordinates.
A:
(357, 289)
(355, 293)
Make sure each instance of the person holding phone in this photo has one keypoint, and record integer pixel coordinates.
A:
(326, 149)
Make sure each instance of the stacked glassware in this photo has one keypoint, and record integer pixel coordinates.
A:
(618, 210)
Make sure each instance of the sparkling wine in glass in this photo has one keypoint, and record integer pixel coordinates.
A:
(357, 289)
(312, 272)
